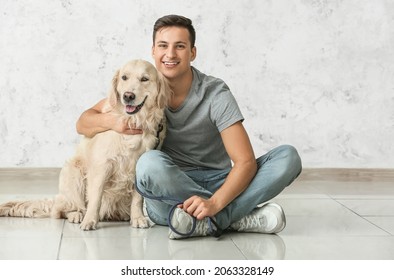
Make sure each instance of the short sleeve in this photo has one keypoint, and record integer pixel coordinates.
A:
(224, 109)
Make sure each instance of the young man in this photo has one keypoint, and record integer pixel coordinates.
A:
(207, 160)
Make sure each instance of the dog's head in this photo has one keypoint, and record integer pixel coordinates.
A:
(138, 87)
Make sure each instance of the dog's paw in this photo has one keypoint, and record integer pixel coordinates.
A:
(75, 217)
(139, 222)
(88, 225)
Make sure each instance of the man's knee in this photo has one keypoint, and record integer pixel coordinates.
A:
(150, 162)
(293, 159)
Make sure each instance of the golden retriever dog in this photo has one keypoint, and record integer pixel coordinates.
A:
(98, 182)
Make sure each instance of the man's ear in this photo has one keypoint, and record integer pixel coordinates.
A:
(194, 53)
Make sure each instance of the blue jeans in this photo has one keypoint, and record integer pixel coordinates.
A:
(157, 175)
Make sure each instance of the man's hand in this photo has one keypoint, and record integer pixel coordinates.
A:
(122, 126)
(199, 207)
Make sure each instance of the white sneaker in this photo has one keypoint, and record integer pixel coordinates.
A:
(269, 218)
(182, 222)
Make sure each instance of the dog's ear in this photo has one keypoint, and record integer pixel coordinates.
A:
(113, 93)
(164, 91)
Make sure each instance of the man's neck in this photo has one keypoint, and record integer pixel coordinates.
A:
(180, 87)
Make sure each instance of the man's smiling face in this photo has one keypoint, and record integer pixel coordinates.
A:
(172, 52)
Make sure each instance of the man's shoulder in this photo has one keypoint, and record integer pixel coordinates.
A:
(207, 82)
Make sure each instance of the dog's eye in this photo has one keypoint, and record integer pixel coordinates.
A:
(124, 77)
(144, 79)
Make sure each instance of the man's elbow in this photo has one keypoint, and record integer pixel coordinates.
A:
(81, 130)
(252, 166)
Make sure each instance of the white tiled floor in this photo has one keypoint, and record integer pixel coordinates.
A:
(328, 218)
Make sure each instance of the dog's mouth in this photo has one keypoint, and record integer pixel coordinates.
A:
(130, 109)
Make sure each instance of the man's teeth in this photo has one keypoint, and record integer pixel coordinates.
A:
(170, 63)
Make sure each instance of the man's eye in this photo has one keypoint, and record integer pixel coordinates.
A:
(144, 79)
(124, 77)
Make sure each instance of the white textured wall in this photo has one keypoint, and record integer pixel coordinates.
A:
(316, 74)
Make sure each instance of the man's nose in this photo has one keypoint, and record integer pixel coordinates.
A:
(171, 52)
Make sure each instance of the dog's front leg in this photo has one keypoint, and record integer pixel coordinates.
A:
(137, 218)
(95, 187)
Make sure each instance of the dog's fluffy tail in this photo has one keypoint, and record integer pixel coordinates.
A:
(28, 209)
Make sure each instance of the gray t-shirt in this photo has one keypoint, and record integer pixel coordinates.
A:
(193, 138)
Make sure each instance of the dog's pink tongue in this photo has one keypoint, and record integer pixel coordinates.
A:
(130, 109)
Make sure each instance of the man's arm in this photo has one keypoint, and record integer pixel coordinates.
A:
(94, 121)
(240, 150)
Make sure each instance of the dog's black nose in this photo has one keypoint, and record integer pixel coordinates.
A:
(128, 96)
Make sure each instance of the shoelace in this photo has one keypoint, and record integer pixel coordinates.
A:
(252, 222)
(213, 228)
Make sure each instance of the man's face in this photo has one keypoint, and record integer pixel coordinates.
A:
(172, 51)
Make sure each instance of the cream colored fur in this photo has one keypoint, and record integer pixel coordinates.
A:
(98, 182)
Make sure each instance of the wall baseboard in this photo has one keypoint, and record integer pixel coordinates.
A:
(308, 174)
(347, 174)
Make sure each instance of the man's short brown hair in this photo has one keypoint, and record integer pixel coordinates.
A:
(175, 20)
